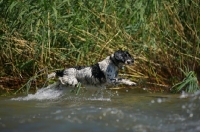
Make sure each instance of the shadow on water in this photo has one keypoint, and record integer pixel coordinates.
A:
(108, 110)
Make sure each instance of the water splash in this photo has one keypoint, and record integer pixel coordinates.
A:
(187, 95)
(52, 93)
(191, 107)
(99, 99)
(48, 93)
(184, 95)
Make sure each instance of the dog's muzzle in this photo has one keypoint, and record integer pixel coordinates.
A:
(129, 62)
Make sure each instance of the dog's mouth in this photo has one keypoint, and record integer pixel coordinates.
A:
(129, 62)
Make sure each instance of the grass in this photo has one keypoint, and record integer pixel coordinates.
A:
(163, 36)
(189, 84)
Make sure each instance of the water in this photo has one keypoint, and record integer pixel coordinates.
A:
(121, 110)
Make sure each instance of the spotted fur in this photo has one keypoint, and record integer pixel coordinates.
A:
(102, 73)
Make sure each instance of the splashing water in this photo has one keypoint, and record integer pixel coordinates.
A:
(42, 94)
(60, 110)
(48, 93)
(52, 93)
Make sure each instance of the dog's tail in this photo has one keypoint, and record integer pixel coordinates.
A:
(54, 74)
(51, 75)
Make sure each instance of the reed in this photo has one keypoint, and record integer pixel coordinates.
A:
(163, 36)
(189, 84)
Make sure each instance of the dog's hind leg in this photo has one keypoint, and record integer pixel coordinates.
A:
(66, 80)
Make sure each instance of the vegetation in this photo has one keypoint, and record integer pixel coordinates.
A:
(189, 83)
(35, 36)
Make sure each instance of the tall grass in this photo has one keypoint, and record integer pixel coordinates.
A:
(189, 84)
(163, 36)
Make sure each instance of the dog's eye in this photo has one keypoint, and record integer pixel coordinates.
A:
(126, 55)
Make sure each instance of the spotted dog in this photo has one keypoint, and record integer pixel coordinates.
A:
(100, 74)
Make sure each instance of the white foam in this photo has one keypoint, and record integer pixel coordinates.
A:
(51, 93)
(184, 95)
(42, 94)
(99, 99)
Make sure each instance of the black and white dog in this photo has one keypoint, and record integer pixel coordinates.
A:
(100, 74)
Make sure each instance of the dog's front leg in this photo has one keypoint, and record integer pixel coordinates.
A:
(117, 81)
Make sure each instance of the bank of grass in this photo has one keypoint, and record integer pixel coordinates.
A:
(163, 36)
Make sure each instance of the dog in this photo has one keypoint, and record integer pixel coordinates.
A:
(100, 74)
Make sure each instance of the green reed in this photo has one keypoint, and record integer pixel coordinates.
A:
(189, 84)
(163, 36)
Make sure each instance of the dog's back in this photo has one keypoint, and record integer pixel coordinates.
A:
(104, 72)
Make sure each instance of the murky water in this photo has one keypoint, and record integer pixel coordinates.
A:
(124, 110)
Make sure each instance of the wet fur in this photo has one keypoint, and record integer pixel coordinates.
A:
(100, 74)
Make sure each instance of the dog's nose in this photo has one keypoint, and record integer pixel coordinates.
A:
(130, 61)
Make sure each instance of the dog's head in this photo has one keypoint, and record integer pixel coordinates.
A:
(123, 57)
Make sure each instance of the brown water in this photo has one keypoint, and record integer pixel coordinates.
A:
(124, 110)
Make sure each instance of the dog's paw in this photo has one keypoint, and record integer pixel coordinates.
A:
(134, 84)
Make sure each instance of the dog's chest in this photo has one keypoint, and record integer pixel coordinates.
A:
(111, 71)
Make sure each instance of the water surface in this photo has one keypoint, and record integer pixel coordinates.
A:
(115, 110)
